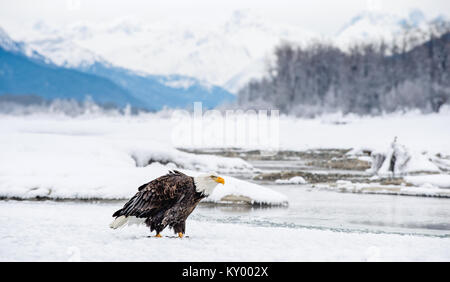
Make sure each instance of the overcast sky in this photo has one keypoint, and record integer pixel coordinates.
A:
(321, 16)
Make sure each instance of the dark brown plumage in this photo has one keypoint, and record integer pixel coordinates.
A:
(165, 201)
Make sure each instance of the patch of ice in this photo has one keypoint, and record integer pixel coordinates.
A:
(293, 180)
(377, 188)
(436, 180)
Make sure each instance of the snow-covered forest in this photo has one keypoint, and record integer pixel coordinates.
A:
(411, 72)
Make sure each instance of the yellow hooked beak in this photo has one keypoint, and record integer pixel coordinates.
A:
(220, 180)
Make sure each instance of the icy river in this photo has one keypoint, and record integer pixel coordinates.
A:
(342, 212)
(317, 226)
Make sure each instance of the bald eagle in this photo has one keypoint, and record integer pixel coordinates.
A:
(166, 201)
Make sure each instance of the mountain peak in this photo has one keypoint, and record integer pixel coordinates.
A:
(7, 43)
(243, 18)
(416, 16)
(240, 16)
(376, 25)
(127, 25)
(369, 17)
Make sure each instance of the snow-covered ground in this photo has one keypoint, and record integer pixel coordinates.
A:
(59, 231)
(105, 157)
(416, 131)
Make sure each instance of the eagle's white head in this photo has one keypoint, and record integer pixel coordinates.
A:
(207, 182)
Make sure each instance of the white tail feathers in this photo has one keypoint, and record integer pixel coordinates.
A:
(118, 222)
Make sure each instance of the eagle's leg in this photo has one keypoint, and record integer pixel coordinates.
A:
(158, 232)
(180, 229)
(154, 226)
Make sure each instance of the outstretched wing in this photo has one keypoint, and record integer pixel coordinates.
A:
(163, 192)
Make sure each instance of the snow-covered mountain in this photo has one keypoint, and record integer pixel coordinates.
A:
(8, 44)
(25, 71)
(373, 25)
(64, 52)
(213, 53)
(25, 78)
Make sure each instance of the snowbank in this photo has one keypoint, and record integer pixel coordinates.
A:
(406, 163)
(293, 180)
(236, 190)
(377, 188)
(436, 180)
(145, 155)
(399, 160)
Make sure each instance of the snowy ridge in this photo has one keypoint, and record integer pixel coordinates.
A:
(8, 44)
(184, 82)
(64, 52)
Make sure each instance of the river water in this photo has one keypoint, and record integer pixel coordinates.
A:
(346, 212)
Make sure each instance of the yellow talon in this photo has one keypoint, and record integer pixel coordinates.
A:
(158, 235)
(180, 235)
